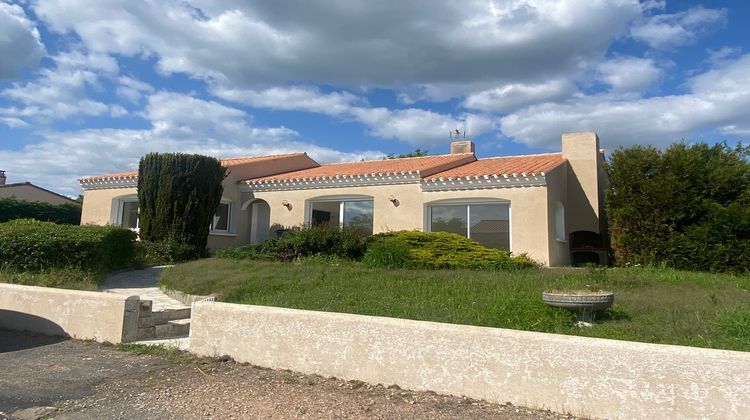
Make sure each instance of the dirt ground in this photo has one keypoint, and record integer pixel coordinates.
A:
(84, 380)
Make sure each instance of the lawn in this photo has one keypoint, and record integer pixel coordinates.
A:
(651, 305)
(61, 278)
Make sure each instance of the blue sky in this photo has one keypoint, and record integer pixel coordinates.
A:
(89, 86)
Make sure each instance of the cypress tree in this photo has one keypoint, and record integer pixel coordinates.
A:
(178, 195)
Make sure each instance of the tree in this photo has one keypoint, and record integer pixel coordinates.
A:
(178, 195)
(415, 153)
(687, 207)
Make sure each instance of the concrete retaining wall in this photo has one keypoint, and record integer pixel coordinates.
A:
(104, 317)
(582, 376)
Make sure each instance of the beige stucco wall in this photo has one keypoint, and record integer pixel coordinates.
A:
(30, 193)
(97, 204)
(583, 187)
(584, 376)
(104, 317)
(557, 191)
(528, 207)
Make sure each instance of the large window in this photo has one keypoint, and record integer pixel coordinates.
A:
(129, 214)
(354, 213)
(223, 218)
(486, 223)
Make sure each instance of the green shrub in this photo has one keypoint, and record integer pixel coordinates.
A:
(11, 209)
(148, 253)
(439, 250)
(312, 240)
(687, 207)
(389, 252)
(267, 250)
(178, 195)
(31, 245)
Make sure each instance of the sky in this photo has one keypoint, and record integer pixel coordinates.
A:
(89, 86)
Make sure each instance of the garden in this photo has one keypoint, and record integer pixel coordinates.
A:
(680, 231)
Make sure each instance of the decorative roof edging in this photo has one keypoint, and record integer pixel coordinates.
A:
(99, 184)
(339, 181)
(485, 182)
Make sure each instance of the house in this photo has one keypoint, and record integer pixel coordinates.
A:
(29, 192)
(529, 204)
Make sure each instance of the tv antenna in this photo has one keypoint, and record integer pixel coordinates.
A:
(457, 134)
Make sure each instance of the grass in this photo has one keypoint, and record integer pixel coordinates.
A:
(171, 354)
(60, 278)
(651, 305)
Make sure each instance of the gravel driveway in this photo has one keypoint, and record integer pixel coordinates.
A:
(88, 380)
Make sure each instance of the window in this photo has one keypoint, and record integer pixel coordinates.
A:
(127, 213)
(486, 223)
(222, 218)
(354, 213)
(560, 222)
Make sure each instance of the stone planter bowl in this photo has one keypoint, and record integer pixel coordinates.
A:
(582, 303)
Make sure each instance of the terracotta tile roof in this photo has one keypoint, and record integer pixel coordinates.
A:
(422, 166)
(230, 162)
(502, 166)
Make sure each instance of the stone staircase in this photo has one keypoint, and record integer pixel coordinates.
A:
(162, 324)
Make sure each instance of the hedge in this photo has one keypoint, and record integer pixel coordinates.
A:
(31, 245)
(415, 249)
(11, 209)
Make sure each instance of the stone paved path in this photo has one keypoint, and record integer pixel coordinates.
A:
(142, 283)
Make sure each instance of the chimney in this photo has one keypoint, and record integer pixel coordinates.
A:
(463, 146)
(2, 177)
(586, 180)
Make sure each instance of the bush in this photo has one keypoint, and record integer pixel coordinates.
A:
(687, 207)
(31, 245)
(178, 195)
(390, 252)
(267, 250)
(11, 209)
(149, 253)
(438, 250)
(313, 240)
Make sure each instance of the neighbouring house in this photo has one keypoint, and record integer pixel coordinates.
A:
(535, 204)
(29, 192)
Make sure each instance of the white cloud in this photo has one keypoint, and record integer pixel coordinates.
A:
(420, 127)
(510, 97)
(350, 44)
(61, 92)
(132, 89)
(20, 44)
(180, 123)
(297, 98)
(629, 74)
(717, 98)
(670, 30)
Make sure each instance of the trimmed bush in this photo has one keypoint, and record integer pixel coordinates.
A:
(149, 253)
(11, 209)
(178, 195)
(313, 240)
(439, 250)
(687, 207)
(31, 245)
(266, 250)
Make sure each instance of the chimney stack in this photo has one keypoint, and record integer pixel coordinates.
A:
(463, 146)
(2, 177)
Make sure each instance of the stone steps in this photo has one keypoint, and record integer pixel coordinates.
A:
(168, 323)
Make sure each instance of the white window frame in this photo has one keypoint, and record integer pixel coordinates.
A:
(121, 212)
(561, 233)
(229, 219)
(341, 199)
(468, 204)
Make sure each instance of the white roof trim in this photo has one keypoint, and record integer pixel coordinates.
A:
(106, 183)
(337, 181)
(485, 182)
